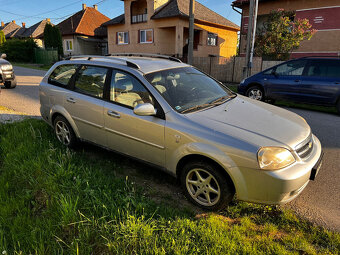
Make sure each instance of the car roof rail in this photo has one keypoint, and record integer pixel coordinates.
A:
(145, 55)
(92, 57)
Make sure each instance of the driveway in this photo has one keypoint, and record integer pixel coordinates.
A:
(25, 97)
(319, 202)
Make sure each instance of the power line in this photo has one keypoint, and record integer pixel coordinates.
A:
(37, 15)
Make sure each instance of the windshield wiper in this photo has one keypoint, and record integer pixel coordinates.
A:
(216, 102)
(196, 107)
(223, 99)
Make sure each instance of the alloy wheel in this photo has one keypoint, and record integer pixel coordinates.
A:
(255, 94)
(203, 187)
(63, 133)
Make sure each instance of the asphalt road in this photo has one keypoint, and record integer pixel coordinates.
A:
(319, 202)
(25, 97)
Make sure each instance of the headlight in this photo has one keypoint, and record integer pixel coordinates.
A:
(274, 158)
(6, 67)
(242, 81)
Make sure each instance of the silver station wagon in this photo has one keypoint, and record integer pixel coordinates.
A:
(169, 114)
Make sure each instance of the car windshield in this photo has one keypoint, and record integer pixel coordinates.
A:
(187, 89)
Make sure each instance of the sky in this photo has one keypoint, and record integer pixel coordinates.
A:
(33, 11)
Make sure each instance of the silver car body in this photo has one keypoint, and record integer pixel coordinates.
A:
(230, 134)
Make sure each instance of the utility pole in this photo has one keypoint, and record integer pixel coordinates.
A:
(191, 32)
(253, 8)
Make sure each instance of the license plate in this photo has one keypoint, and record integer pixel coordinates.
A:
(316, 168)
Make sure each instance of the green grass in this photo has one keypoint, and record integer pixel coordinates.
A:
(57, 201)
(33, 66)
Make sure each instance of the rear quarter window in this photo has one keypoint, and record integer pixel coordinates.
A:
(62, 75)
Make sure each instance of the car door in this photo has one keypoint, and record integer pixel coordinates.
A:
(285, 79)
(321, 84)
(141, 137)
(85, 103)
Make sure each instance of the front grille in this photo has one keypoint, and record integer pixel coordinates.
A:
(305, 149)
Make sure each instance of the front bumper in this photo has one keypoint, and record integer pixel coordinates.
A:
(280, 186)
(6, 76)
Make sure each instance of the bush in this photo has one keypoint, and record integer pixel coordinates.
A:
(19, 50)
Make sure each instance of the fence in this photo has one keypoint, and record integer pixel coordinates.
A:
(230, 69)
(45, 56)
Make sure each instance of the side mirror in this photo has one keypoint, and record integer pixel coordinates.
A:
(3, 55)
(144, 110)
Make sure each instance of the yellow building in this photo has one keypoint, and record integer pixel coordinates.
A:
(162, 27)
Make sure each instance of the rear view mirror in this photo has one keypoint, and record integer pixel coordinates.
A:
(3, 55)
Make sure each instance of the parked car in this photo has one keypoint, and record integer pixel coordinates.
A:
(311, 80)
(174, 117)
(7, 76)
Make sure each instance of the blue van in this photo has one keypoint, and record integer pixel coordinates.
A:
(311, 80)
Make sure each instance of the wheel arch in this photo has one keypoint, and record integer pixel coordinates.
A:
(252, 84)
(59, 111)
(198, 157)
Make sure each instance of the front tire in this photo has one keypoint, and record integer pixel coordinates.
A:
(64, 132)
(10, 84)
(206, 187)
(255, 92)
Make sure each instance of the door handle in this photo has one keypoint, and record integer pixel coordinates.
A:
(113, 114)
(71, 100)
(297, 80)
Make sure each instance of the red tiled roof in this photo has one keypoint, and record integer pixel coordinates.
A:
(85, 22)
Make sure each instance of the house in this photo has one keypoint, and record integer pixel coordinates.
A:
(323, 15)
(36, 31)
(12, 30)
(82, 33)
(162, 27)
(9, 28)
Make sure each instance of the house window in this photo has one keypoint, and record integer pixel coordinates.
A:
(122, 37)
(69, 45)
(146, 36)
(212, 39)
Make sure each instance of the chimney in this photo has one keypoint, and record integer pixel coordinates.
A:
(95, 7)
(23, 25)
(2, 23)
(13, 21)
(48, 20)
(84, 6)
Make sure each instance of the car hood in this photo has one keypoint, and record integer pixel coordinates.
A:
(255, 122)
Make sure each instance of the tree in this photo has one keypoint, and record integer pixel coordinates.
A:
(2, 37)
(52, 38)
(281, 34)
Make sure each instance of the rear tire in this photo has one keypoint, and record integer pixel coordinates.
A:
(64, 132)
(10, 84)
(205, 186)
(255, 92)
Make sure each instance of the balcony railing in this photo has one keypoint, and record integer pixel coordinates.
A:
(140, 18)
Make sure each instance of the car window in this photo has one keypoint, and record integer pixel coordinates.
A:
(62, 75)
(185, 88)
(270, 71)
(324, 68)
(291, 68)
(90, 80)
(127, 90)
